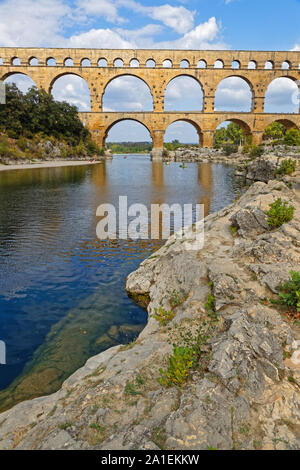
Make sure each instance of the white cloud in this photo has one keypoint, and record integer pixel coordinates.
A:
(279, 96)
(24, 23)
(179, 18)
(99, 38)
(233, 94)
(100, 8)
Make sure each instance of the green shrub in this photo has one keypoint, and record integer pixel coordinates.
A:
(163, 316)
(279, 213)
(228, 149)
(180, 364)
(289, 292)
(292, 137)
(256, 151)
(287, 167)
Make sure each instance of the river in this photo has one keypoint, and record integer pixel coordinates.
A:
(62, 296)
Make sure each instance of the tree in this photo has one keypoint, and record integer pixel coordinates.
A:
(292, 137)
(37, 112)
(275, 131)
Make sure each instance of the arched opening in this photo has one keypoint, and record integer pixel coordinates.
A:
(232, 133)
(134, 63)
(128, 135)
(183, 93)
(282, 131)
(51, 62)
(102, 62)
(269, 65)
(85, 63)
(72, 89)
(167, 64)
(1, 61)
(22, 81)
(182, 132)
(69, 62)
(235, 64)
(15, 61)
(118, 63)
(184, 64)
(233, 94)
(252, 65)
(219, 64)
(150, 63)
(127, 93)
(33, 61)
(285, 65)
(282, 96)
(201, 64)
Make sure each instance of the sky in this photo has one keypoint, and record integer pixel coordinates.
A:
(178, 24)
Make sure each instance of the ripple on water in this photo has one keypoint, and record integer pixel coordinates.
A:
(62, 296)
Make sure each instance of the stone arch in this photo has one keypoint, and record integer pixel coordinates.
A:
(150, 63)
(78, 94)
(68, 62)
(287, 123)
(22, 86)
(85, 62)
(202, 64)
(252, 65)
(33, 61)
(269, 65)
(235, 64)
(219, 64)
(234, 82)
(284, 100)
(184, 64)
(167, 63)
(286, 65)
(102, 62)
(134, 63)
(117, 121)
(198, 106)
(15, 61)
(118, 62)
(243, 125)
(191, 122)
(135, 76)
(51, 62)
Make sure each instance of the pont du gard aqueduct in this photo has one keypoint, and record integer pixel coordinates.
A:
(98, 67)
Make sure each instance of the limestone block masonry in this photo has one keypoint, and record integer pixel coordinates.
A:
(98, 67)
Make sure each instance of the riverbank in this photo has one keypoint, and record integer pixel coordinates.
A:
(47, 164)
(243, 390)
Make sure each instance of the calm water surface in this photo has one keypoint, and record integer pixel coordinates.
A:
(62, 296)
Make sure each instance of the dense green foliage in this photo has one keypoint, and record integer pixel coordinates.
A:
(289, 292)
(279, 213)
(279, 135)
(129, 147)
(287, 167)
(292, 137)
(37, 112)
(232, 134)
(275, 131)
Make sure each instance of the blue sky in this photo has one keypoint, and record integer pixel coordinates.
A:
(186, 24)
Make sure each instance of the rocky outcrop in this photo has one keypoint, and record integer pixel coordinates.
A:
(244, 392)
(266, 168)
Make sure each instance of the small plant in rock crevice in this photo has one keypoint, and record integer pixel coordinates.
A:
(289, 292)
(279, 213)
(287, 167)
(163, 316)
